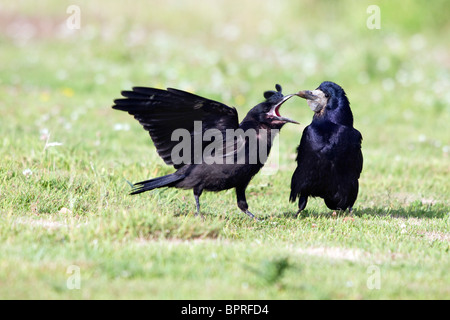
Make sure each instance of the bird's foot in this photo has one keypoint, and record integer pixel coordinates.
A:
(198, 214)
(296, 215)
(251, 215)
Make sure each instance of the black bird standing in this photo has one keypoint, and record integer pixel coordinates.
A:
(161, 112)
(329, 157)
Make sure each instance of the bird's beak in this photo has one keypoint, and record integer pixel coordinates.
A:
(306, 94)
(274, 112)
(316, 99)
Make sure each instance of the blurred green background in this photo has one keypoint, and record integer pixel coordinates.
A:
(58, 80)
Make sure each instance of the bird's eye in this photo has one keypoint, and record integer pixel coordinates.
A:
(327, 95)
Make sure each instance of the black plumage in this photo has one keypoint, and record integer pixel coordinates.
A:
(329, 157)
(162, 112)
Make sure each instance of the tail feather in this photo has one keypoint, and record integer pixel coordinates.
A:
(293, 196)
(159, 182)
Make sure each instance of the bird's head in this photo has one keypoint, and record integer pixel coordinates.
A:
(268, 112)
(330, 102)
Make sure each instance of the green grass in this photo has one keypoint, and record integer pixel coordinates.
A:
(68, 206)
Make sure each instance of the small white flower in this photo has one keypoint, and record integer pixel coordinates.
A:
(403, 228)
(27, 172)
(45, 134)
(121, 127)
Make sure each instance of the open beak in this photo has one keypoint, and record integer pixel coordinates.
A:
(274, 112)
(306, 94)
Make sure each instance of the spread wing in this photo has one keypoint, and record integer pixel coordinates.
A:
(161, 112)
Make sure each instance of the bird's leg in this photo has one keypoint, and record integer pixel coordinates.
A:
(302, 201)
(197, 202)
(242, 202)
(350, 211)
(197, 194)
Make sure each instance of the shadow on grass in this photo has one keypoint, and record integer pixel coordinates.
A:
(414, 210)
(419, 211)
(204, 216)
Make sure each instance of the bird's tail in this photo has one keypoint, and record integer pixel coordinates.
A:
(159, 182)
(293, 196)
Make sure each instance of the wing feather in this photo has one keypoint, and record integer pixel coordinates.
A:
(161, 112)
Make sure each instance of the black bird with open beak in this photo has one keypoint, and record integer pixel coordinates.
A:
(162, 112)
(329, 157)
